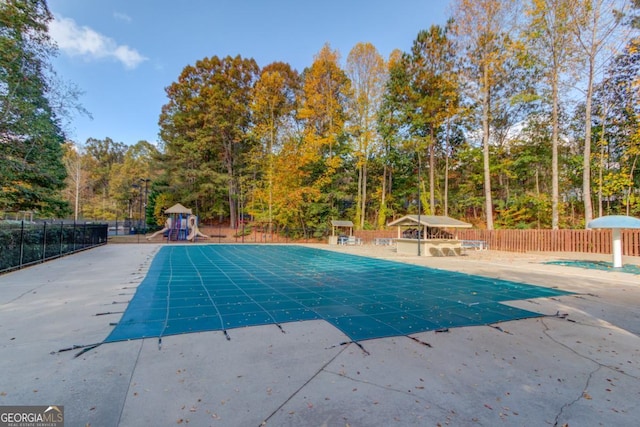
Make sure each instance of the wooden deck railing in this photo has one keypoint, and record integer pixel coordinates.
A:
(588, 241)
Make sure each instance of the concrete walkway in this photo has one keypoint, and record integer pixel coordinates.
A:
(581, 368)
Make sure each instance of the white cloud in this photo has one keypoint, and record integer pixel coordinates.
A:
(75, 40)
(122, 16)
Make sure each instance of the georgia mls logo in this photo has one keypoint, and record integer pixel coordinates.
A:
(32, 416)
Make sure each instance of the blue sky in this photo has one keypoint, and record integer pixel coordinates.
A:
(123, 53)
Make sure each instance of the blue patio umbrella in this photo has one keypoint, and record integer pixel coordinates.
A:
(615, 223)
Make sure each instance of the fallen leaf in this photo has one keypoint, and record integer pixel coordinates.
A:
(586, 396)
(180, 421)
(488, 407)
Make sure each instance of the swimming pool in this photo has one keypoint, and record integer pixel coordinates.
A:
(195, 288)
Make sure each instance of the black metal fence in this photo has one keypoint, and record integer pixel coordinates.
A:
(23, 244)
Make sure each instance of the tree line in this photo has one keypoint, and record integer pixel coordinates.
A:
(515, 113)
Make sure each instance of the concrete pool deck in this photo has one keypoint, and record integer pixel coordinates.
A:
(581, 368)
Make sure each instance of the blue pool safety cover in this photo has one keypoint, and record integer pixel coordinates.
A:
(598, 265)
(196, 288)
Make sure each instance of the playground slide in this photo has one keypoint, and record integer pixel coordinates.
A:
(195, 232)
(167, 227)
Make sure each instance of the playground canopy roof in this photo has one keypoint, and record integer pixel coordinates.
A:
(178, 209)
(437, 221)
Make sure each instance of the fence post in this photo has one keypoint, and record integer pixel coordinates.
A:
(44, 241)
(21, 241)
(61, 236)
(74, 236)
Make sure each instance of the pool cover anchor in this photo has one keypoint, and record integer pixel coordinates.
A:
(85, 348)
(350, 342)
(424, 343)
(109, 312)
(497, 327)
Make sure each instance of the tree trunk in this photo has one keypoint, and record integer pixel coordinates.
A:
(382, 213)
(231, 185)
(586, 174)
(446, 172)
(601, 163)
(358, 218)
(633, 170)
(363, 209)
(432, 174)
(555, 215)
(486, 105)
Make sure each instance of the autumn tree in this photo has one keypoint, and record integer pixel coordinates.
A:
(392, 129)
(103, 155)
(617, 124)
(273, 108)
(482, 29)
(323, 112)
(76, 181)
(366, 70)
(131, 179)
(433, 93)
(205, 128)
(552, 42)
(594, 23)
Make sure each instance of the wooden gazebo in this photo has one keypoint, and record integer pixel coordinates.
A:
(337, 225)
(428, 237)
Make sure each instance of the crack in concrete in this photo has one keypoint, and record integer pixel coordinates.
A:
(613, 368)
(388, 388)
(589, 377)
(288, 399)
(574, 401)
(133, 370)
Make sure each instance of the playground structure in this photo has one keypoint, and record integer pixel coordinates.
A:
(181, 224)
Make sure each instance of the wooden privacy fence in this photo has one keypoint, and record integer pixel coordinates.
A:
(589, 241)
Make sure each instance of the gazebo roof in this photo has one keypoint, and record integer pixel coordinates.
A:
(337, 223)
(436, 221)
(178, 209)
